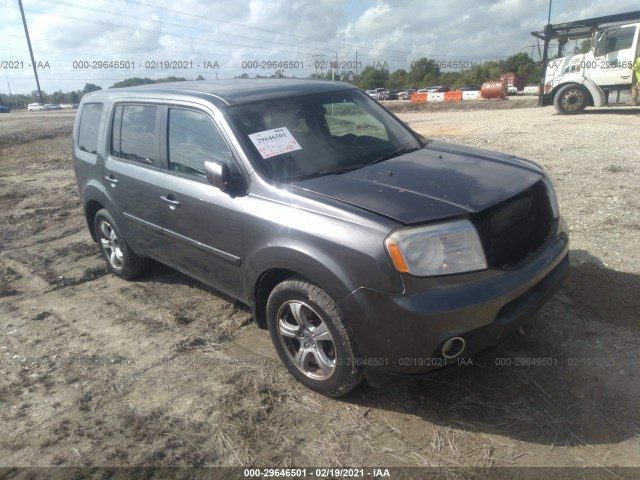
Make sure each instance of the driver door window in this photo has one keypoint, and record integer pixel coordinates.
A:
(194, 139)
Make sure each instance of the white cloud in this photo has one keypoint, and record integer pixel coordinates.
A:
(233, 31)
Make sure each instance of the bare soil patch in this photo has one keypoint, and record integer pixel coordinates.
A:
(165, 371)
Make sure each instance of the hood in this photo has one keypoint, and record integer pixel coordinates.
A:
(439, 181)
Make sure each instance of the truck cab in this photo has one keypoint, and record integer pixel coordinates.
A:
(576, 81)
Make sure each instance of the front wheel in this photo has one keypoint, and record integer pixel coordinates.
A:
(312, 339)
(570, 100)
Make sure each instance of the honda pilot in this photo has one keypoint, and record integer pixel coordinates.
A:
(366, 250)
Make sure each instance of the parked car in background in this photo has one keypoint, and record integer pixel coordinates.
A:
(434, 89)
(469, 88)
(49, 106)
(35, 107)
(5, 108)
(511, 89)
(406, 95)
(372, 93)
(366, 250)
(390, 95)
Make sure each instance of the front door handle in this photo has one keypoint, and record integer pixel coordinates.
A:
(111, 179)
(173, 203)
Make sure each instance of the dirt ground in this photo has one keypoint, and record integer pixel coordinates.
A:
(164, 371)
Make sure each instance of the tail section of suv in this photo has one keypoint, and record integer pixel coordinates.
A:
(365, 250)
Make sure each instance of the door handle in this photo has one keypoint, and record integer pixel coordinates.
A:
(170, 200)
(111, 179)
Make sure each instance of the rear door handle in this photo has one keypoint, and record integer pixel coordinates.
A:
(173, 204)
(111, 179)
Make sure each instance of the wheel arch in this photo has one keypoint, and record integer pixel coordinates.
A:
(596, 97)
(90, 209)
(276, 264)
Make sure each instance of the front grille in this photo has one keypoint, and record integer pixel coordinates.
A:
(514, 228)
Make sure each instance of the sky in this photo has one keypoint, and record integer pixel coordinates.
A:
(106, 41)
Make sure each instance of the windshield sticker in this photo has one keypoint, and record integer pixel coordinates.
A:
(274, 142)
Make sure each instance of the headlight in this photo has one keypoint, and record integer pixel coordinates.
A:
(441, 249)
(553, 200)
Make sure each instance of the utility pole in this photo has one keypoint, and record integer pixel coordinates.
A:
(315, 63)
(335, 68)
(548, 33)
(33, 60)
(356, 63)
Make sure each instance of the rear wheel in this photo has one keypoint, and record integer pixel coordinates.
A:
(312, 339)
(571, 99)
(120, 259)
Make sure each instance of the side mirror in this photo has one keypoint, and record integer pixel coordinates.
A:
(220, 176)
(217, 174)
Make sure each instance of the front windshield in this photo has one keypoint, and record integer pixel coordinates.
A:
(312, 135)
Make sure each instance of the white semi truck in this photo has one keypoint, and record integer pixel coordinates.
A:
(595, 78)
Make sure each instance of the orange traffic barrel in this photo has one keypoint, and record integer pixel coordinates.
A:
(494, 90)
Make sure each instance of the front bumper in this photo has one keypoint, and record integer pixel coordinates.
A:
(403, 333)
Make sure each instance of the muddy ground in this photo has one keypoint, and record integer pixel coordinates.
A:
(164, 371)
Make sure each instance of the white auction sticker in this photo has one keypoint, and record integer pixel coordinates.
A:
(274, 142)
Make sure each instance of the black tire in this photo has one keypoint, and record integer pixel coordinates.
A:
(571, 99)
(119, 257)
(312, 338)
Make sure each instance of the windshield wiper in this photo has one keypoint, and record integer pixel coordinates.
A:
(339, 171)
(394, 153)
(306, 176)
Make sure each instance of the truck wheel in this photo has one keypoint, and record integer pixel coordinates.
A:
(120, 259)
(571, 99)
(312, 339)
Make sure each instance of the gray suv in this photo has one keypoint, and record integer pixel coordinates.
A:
(366, 250)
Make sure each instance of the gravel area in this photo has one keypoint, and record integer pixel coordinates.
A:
(594, 160)
(164, 371)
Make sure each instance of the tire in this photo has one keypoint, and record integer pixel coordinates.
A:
(571, 100)
(312, 338)
(119, 257)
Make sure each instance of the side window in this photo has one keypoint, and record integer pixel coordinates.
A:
(88, 131)
(133, 135)
(193, 139)
(616, 39)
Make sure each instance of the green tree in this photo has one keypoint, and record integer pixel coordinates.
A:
(373, 78)
(397, 79)
(348, 76)
(423, 71)
(584, 46)
(519, 63)
(90, 87)
(451, 79)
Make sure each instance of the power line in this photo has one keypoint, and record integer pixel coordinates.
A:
(324, 43)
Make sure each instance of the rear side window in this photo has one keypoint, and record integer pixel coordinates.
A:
(194, 139)
(88, 131)
(133, 136)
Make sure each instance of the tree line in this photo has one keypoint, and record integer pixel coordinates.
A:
(423, 72)
(426, 72)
